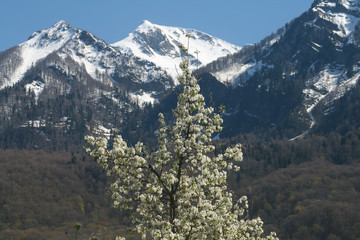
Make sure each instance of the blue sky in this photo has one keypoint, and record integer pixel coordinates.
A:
(236, 21)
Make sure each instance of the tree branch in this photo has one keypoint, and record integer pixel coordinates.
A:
(159, 178)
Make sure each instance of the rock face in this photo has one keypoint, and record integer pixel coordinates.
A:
(309, 64)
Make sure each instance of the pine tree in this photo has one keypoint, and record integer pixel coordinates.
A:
(180, 190)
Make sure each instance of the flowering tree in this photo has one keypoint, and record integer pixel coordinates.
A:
(179, 191)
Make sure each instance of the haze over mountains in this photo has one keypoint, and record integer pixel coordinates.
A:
(283, 85)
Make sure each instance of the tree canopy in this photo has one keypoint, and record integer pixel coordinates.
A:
(179, 190)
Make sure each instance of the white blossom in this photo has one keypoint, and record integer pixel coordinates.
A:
(179, 191)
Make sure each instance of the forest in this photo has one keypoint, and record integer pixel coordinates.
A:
(303, 189)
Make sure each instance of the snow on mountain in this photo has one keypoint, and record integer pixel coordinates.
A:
(329, 85)
(333, 80)
(36, 87)
(142, 98)
(353, 5)
(344, 20)
(228, 75)
(94, 54)
(316, 53)
(160, 45)
(66, 41)
(344, 15)
(99, 60)
(150, 53)
(240, 71)
(322, 84)
(39, 45)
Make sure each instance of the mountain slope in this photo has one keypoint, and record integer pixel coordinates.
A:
(39, 45)
(160, 45)
(306, 66)
(101, 61)
(145, 63)
(64, 82)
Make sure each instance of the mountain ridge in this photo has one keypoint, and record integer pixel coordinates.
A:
(64, 82)
(317, 53)
(114, 63)
(160, 45)
(281, 87)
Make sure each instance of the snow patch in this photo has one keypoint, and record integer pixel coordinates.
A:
(103, 131)
(34, 123)
(351, 4)
(343, 87)
(330, 78)
(228, 75)
(143, 98)
(36, 87)
(345, 22)
(239, 72)
(98, 64)
(326, 4)
(322, 84)
(348, 4)
(328, 86)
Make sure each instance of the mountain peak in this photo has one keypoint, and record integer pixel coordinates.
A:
(61, 25)
(146, 22)
(146, 26)
(160, 45)
(352, 5)
(344, 14)
(57, 29)
(39, 45)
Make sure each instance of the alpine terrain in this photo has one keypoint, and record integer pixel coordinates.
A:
(289, 83)
(65, 81)
(292, 100)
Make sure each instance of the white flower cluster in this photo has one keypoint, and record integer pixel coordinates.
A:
(180, 190)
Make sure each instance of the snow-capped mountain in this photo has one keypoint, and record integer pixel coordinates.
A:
(314, 58)
(146, 62)
(98, 59)
(339, 17)
(160, 45)
(39, 46)
(341, 20)
(64, 82)
(68, 80)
